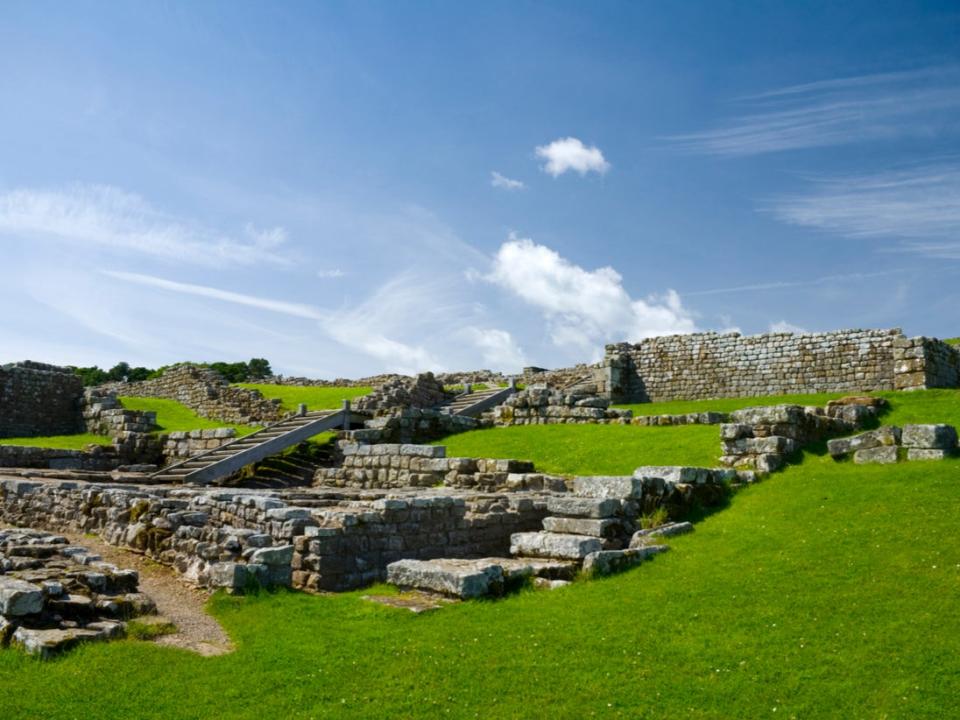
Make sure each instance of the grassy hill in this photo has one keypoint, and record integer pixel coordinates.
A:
(829, 590)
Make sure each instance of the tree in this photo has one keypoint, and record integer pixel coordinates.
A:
(259, 368)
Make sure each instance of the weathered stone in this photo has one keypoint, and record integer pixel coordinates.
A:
(459, 578)
(601, 528)
(608, 486)
(926, 454)
(878, 455)
(641, 538)
(553, 545)
(583, 507)
(936, 437)
(887, 435)
(18, 598)
(606, 562)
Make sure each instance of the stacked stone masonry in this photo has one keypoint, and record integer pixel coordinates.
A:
(710, 365)
(543, 406)
(206, 393)
(38, 399)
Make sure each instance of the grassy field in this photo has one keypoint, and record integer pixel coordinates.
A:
(173, 416)
(315, 398)
(829, 590)
(59, 442)
(591, 449)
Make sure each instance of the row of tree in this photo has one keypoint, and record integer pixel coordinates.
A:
(254, 369)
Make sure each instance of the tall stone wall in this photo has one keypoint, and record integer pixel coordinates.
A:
(206, 393)
(711, 365)
(38, 399)
(923, 362)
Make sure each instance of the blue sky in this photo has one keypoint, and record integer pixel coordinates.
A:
(350, 188)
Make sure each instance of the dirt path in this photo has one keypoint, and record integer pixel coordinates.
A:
(178, 602)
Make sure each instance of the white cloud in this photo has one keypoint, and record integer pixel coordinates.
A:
(503, 182)
(571, 154)
(330, 274)
(785, 284)
(919, 206)
(839, 111)
(585, 308)
(498, 348)
(782, 326)
(100, 215)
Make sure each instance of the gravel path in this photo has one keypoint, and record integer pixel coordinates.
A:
(178, 602)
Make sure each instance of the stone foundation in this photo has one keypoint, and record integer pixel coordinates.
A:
(38, 399)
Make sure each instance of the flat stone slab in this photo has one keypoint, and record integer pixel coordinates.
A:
(608, 486)
(460, 578)
(413, 600)
(594, 527)
(926, 454)
(934, 437)
(46, 643)
(642, 538)
(886, 455)
(553, 545)
(884, 436)
(583, 507)
(606, 562)
(547, 569)
(675, 474)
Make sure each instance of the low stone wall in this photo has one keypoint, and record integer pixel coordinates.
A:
(318, 539)
(206, 393)
(38, 399)
(182, 444)
(391, 465)
(423, 391)
(103, 414)
(543, 406)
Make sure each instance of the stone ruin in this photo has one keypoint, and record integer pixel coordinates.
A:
(387, 507)
(54, 595)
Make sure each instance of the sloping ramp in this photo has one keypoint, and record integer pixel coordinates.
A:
(472, 404)
(213, 465)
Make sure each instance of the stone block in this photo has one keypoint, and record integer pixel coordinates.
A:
(675, 474)
(584, 507)
(553, 545)
(281, 555)
(937, 437)
(926, 454)
(606, 562)
(641, 538)
(887, 435)
(885, 455)
(608, 486)
(601, 528)
(18, 597)
(458, 578)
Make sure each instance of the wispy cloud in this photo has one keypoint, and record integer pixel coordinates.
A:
(787, 284)
(919, 206)
(331, 274)
(105, 216)
(782, 326)
(835, 112)
(504, 183)
(584, 307)
(497, 347)
(567, 154)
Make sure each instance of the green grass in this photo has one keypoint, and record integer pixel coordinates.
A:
(59, 442)
(829, 590)
(315, 398)
(139, 630)
(173, 416)
(591, 449)
(953, 341)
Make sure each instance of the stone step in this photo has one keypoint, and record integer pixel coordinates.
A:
(608, 486)
(471, 578)
(583, 507)
(606, 562)
(553, 545)
(593, 527)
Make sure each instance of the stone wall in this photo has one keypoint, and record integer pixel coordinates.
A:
(318, 539)
(38, 399)
(390, 465)
(923, 362)
(423, 391)
(206, 393)
(542, 406)
(413, 425)
(710, 365)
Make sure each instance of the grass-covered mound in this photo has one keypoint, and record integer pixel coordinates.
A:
(59, 442)
(591, 449)
(315, 398)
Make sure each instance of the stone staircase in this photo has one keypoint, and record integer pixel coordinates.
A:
(472, 403)
(225, 460)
